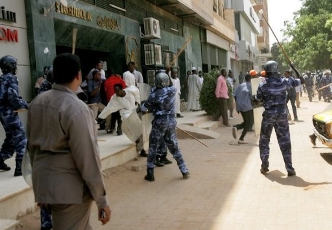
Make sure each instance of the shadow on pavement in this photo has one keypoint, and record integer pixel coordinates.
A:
(327, 157)
(296, 181)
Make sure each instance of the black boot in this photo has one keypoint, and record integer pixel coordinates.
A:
(18, 168)
(149, 176)
(3, 166)
(158, 163)
(164, 160)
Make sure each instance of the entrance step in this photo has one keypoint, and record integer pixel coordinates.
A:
(6, 224)
(198, 133)
(209, 125)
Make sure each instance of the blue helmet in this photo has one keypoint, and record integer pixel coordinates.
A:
(8, 64)
(161, 79)
(271, 67)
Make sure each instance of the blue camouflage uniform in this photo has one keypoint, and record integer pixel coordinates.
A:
(10, 102)
(272, 92)
(161, 103)
(45, 210)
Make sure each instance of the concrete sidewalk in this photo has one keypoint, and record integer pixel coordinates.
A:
(226, 189)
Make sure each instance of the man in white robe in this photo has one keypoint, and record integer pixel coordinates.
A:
(125, 101)
(194, 89)
(177, 85)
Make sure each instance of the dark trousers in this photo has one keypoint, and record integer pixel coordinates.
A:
(222, 111)
(245, 125)
(116, 117)
(292, 99)
(279, 122)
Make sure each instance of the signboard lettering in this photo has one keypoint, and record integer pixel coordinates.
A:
(108, 23)
(6, 15)
(73, 12)
(9, 35)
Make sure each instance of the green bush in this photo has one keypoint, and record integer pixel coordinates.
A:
(207, 97)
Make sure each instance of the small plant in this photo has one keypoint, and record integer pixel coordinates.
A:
(207, 96)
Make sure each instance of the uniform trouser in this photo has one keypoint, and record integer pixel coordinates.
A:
(163, 131)
(46, 216)
(326, 94)
(245, 125)
(230, 105)
(298, 100)
(72, 216)
(310, 92)
(292, 100)
(279, 122)
(15, 140)
(222, 111)
(319, 94)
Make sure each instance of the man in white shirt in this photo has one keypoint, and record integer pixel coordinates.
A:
(128, 76)
(99, 66)
(177, 85)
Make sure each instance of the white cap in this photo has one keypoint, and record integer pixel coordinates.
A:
(193, 68)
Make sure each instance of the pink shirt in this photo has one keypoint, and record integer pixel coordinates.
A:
(221, 88)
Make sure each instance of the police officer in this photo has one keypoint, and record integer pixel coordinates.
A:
(272, 93)
(319, 84)
(326, 93)
(10, 102)
(309, 83)
(161, 103)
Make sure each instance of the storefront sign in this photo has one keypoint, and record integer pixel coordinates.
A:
(9, 35)
(73, 12)
(6, 15)
(108, 23)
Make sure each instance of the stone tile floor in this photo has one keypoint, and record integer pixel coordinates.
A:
(226, 189)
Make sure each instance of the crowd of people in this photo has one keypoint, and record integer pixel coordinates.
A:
(62, 149)
(56, 137)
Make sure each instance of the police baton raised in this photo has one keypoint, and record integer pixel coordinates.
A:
(324, 87)
(282, 48)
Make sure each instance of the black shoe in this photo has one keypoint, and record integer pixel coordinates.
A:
(18, 168)
(186, 175)
(119, 132)
(3, 166)
(179, 115)
(110, 131)
(150, 175)
(143, 153)
(158, 163)
(313, 139)
(293, 173)
(264, 170)
(165, 161)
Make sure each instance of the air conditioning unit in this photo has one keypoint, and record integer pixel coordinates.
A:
(149, 54)
(151, 75)
(151, 28)
(152, 54)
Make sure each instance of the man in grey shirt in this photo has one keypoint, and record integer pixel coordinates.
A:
(62, 143)
(243, 101)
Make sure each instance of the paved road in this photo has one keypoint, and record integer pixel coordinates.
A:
(226, 189)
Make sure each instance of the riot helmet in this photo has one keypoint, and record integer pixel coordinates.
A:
(8, 64)
(271, 67)
(161, 79)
